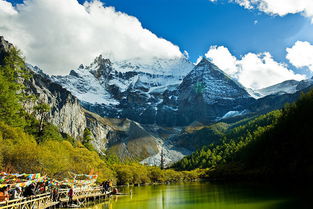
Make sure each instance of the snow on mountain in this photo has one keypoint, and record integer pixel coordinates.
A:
(177, 67)
(85, 86)
(254, 93)
(207, 79)
(128, 89)
(167, 92)
(234, 114)
(207, 94)
(90, 84)
(285, 87)
(289, 87)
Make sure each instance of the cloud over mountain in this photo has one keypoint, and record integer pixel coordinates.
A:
(254, 71)
(58, 35)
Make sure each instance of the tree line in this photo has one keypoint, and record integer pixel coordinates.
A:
(275, 145)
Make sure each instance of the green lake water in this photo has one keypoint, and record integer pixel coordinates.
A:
(204, 195)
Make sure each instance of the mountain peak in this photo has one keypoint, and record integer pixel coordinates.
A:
(204, 61)
(208, 65)
(102, 61)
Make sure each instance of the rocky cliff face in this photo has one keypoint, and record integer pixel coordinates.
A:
(4, 48)
(71, 118)
(66, 112)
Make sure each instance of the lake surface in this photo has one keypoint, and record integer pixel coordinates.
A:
(204, 195)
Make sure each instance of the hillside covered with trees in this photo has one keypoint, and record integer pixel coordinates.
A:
(274, 145)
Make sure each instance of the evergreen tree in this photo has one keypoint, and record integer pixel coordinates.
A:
(12, 73)
(42, 110)
(162, 165)
(87, 138)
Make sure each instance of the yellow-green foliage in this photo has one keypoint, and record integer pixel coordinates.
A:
(56, 158)
(19, 150)
(1, 153)
(21, 153)
(136, 173)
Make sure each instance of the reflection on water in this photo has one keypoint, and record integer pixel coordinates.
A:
(205, 196)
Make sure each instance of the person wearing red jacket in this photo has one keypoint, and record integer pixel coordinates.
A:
(70, 195)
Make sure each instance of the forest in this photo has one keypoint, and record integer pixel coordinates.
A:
(277, 145)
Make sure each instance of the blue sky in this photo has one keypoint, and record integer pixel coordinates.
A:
(196, 25)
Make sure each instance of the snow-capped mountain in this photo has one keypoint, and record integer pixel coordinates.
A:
(125, 89)
(167, 92)
(285, 87)
(207, 94)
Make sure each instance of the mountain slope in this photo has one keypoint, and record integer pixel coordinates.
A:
(207, 94)
(285, 87)
(284, 150)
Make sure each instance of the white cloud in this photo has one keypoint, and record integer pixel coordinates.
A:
(254, 71)
(301, 54)
(58, 35)
(244, 3)
(279, 7)
(6, 8)
(221, 57)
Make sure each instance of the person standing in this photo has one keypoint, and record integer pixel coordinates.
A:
(110, 185)
(103, 187)
(55, 194)
(29, 191)
(16, 193)
(7, 192)
(106, 186)
(70, 195)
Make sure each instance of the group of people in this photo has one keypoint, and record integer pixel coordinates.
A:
(106, 186)
(56, 196)
(11, 193)
(16, 192)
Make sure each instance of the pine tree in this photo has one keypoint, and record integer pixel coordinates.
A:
(162, 165)
(87, 138)
(12, 73)
(42, 110)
